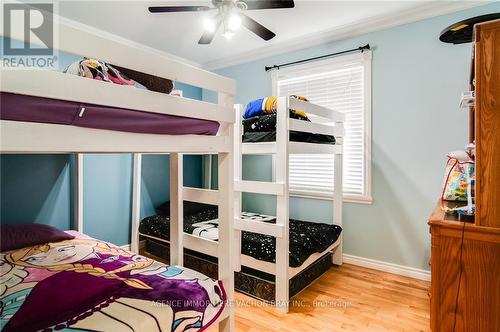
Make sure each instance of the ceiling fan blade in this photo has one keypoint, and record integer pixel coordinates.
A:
(256, 27)
(269, 4)
(208, 36)
(173, 9)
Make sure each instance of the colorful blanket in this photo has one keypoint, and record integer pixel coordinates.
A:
(268, 105)
(89, 285)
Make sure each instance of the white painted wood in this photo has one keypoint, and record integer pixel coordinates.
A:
(79, 39)
(315, 128)
(74, 88)
(24, 137)
(136, 202)
(259, 148)
(316, 110)
(280, 151)
(266, 148)
(176, 210)
(205, 246)
(282, 244)
(260, 187)
(312, 148)
(78, 193)
(205, 196)
(237, 199)
(338, 204)
(225, 164)
(259, 227)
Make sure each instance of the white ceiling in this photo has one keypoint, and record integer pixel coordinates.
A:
(178, 33)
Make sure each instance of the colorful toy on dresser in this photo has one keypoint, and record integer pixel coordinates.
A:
(459, 181)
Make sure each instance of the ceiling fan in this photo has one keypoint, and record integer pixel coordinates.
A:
(230, 16)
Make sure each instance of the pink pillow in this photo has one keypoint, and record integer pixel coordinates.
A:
(26, 235)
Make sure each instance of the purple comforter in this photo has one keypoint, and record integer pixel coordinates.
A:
(86, 284)
(18, 107)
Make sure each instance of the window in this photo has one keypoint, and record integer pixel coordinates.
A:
(343, 84)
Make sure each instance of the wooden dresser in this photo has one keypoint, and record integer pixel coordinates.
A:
(465, 257)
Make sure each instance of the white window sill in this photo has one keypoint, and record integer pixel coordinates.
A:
(358, 199)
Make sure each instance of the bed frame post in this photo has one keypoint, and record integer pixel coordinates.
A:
(282, 244)
(338, 197)
(78, 193)
(176, 210)
(237, 177)
(136, 202)
(226, 221)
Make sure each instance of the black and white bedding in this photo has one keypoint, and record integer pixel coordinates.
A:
(263, 129)
(306, 238)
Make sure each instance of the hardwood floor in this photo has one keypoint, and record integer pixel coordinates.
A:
(348, 298)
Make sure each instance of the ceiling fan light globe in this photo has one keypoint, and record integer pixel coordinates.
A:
(234, 22)
(209, 24)
(228, 34)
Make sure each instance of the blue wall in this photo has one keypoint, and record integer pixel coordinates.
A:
(37, 188)
(417, 82)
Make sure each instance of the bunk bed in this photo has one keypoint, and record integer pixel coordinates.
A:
(265, 240)
(288, 136)
(46, 111)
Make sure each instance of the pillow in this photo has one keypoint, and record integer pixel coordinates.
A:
(189, 208)
(20, 236)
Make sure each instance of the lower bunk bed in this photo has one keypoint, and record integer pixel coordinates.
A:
(54, 280)
(311, 246)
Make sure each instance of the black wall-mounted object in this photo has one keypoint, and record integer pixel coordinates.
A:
(461, 32)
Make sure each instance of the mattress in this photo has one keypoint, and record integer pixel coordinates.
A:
(306, 238)
(85, 284)
(263, 129)
(17, 107)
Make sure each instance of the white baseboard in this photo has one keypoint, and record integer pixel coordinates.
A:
(387, 267)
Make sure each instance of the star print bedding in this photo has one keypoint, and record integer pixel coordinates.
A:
(306, 238)
(85, 284)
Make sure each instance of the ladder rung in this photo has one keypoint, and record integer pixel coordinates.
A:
(314, 148)
(259, 148)
(259, 227)
(260, 187)
(200, 195)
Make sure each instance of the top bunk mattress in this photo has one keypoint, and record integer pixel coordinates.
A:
(17, 107)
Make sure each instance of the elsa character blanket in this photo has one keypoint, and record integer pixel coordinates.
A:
(89, 285)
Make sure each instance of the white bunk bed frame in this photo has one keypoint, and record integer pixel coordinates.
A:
(28, 137)
(280, 151)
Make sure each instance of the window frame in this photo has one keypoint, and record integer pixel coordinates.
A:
(365, 59)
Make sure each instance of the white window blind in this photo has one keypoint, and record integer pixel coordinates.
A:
(340, 84)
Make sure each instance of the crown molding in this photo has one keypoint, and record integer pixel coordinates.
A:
(378, 23)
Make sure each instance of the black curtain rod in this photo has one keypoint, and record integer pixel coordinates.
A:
(358, 49)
